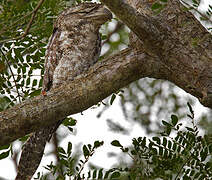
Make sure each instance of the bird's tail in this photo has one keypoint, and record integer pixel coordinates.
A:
(33, 150)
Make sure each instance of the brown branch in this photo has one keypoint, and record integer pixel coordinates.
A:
(180, 63)
(161, 38)
(34, 12)
(144, 27)
(103, 79)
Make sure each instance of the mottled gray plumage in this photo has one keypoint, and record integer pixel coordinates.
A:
(74, 46)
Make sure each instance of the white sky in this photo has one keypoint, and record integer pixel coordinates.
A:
(86, 133)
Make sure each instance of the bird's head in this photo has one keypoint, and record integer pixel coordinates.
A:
(85, 13)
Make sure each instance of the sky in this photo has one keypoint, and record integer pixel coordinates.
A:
(89, 128)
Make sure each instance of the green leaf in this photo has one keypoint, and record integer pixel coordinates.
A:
(89, 146)
(5, 147)
(174, 147)
(169, 144)
(133, 152)
(116, 143)
(125, 149)
(195, 2)
(77, 168)
(85, 151)
(154, 151)
(166, 123)
(115, 175)
(156, 139)
(103, 37)
(178, 149)
(100, 174)
(156, 6)
(24, 138)
(113, 97)
(143, 142)
(210, 148)
(164, 142)
(28, 81)
(98, 144)
(19, 70)
(35, 93)
(34, 82)
(165, 153)
(174, 119)
(94, 174)
(61, 150)
(89, 174)
(107, 174)
(4, 155)
(164, 1)
(73, 122)
(196, 175)
(160, 151)
(203, 154)
(189, 129)
(69, 148)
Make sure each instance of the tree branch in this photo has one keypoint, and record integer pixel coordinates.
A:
(161, 39)
(103, 79)
(144, 27)
(186, 66)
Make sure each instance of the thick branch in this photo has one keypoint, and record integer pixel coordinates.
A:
(160, 38)
(144, 27)
(103, 79)
(179, 63)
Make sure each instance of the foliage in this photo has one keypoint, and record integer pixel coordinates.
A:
(67, 163)
(146, 100)
(179, 152)
(21, 71)
(22, 56)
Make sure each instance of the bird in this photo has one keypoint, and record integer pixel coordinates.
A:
(73, 48)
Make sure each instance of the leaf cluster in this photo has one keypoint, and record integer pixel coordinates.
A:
(67, 168)
(179, 152)
(183, 155)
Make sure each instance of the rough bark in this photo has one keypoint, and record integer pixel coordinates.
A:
(164, 50)
(103, 79)
(170, 36)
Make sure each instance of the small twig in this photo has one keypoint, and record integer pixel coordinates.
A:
(83, 164)
(32, 18)
(19, 96)
(34, 12)
(189, 158)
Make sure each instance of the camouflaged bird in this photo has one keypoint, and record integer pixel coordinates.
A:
(74, 46)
